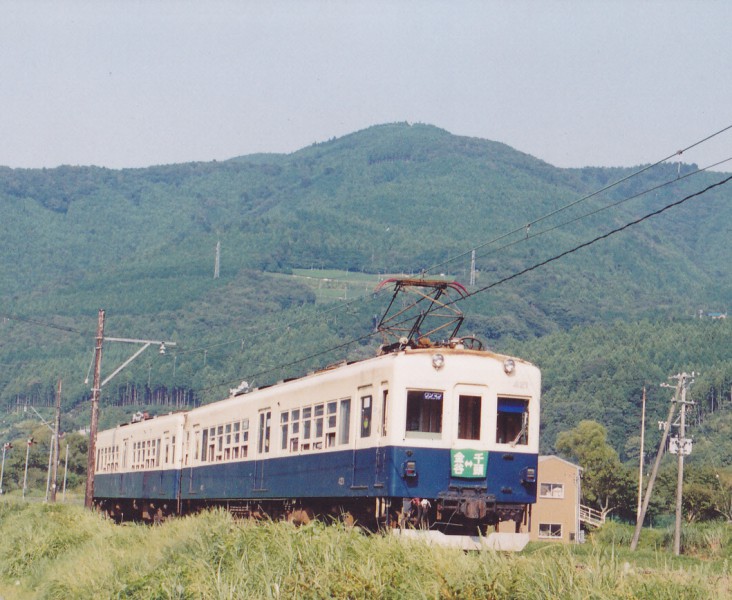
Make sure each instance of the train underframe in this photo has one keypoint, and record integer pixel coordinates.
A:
(451, 513)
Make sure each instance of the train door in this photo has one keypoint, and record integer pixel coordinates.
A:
(364, 449)
(381, 440)
(264, 438)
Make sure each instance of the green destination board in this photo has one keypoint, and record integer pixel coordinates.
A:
(470, 464)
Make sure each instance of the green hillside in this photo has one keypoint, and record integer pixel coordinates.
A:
(140, 243)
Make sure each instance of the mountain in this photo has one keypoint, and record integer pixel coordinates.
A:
(395, 198)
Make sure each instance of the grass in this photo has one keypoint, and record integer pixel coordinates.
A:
(65, 552)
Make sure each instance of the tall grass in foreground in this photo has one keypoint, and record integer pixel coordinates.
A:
(64, 552)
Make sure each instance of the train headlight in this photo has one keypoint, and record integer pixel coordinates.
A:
(410, 469)
(509, 366)
(438, 361)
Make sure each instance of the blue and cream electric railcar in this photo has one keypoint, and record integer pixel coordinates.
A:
(454, 426)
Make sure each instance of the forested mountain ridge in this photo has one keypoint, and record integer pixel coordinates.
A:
(392, 198)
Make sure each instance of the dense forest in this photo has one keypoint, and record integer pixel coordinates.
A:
(305, 238)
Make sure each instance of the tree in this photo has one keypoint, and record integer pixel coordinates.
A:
(606, 483)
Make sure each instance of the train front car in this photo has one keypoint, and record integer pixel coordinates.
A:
(464, 439)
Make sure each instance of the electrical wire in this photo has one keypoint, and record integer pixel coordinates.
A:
(603, 208)
(358, 299)
(525, 227)
(39, 323)
(511, 277)
(594, 240)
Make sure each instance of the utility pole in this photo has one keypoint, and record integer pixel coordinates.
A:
(6, 446)
(682, 449)
(642, 449)
(654, 472)
(96, 392)
(56, 445)
(29, 443)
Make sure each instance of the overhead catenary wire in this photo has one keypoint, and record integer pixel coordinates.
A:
(597, 239)
(504, 279)
(609, 186)
(603, 208)
(529, 236)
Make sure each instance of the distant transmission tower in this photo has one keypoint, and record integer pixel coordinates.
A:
(218, 259)
(472, 268)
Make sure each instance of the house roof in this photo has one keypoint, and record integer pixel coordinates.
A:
(546, 457)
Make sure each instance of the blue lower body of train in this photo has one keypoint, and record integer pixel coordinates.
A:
(343, 477)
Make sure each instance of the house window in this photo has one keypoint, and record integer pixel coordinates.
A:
(551, 490)
(424, 414)
(512, 422)
(550, 531)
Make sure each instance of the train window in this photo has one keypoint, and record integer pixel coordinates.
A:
(245, 424)
(512, 421)
(345, 426)
(330, 438)
(172, 457)
(318, 411)
(469, 417)
(365, 416)
(265, 425)
(424, 413)
(384, 411)
(332, 409)
(318, 428)
(306, 414)
(284, 425)
(294, 430)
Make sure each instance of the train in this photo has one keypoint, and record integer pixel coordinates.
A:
(437, 435)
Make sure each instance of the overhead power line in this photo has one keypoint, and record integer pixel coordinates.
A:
(39, 323)
(504, 279)
(597, 239)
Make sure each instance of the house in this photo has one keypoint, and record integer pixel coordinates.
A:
(556, 514)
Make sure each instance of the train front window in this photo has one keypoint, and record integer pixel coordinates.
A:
(469, 417)
(512, 421)
(424, 414)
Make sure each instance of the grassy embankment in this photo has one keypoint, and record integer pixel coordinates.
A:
(57, 551)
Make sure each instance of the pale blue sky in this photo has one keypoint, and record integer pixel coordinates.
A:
(575, 83)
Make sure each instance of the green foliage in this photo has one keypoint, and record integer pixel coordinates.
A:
(65, 552)
(605, 482)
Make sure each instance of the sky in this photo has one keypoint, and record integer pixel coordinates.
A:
(575, 83)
